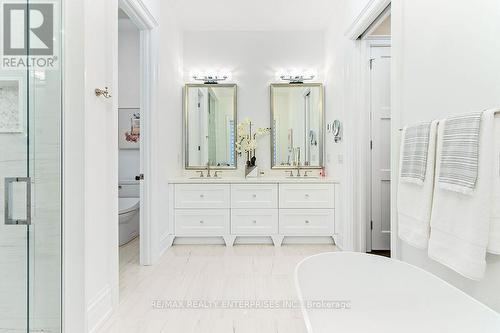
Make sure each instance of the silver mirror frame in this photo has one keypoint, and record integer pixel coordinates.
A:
(321, 129)
(186, 123)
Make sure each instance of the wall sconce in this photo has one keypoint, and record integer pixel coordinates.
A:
(297, 79)
(210, 79)
(211, 76)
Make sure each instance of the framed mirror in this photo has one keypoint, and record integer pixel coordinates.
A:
(210, 125)
(297, 125)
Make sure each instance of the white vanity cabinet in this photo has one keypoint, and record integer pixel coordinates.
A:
(253, 209)
(307, 210)
(202, 210)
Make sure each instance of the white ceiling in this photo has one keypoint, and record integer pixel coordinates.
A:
(253, 15)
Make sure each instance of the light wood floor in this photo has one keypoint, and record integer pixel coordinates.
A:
(199, 272)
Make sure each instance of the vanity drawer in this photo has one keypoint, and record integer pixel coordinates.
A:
(254, 222)
(254, 196)
(306, 222)
(202, 222)
(202, 196)
(307, 196)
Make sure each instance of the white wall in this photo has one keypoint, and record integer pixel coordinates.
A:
(166, 123)
(90, 160)
(449, 65)
(128, 89)
(342, 95)
(128, 64)
(254, 60)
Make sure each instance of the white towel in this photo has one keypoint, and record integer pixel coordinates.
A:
(460, 223)
(414, 152)
(494, 242)
(415, 201)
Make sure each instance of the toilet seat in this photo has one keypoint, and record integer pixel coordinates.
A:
(127, 205)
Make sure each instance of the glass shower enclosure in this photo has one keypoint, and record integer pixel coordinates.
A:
(30, 166)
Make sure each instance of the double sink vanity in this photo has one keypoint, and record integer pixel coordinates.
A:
(253, 209)
(258, 209)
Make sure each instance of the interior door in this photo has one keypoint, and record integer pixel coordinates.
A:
(380, 103)
(30, 167)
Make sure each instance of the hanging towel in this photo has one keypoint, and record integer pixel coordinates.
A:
(414, 153)
(494, 242)
(415, 201)
(460, 222)
(459, 155)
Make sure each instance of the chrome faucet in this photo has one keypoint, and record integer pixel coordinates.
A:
(209, 175)
(298, 170)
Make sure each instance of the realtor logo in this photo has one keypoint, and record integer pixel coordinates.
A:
(28, 33)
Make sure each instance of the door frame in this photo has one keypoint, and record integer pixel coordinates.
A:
(145, 22)
(358, 218)
(368, 43)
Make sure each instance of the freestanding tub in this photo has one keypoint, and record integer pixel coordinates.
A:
(354, 292)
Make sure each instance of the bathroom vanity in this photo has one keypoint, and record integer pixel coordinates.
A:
(256, 209)
(253, 210)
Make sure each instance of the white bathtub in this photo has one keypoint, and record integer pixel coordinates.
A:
(383, 295)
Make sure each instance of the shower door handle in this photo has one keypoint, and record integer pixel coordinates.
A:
(17, 206)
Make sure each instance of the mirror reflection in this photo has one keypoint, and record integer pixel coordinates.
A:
(297, 125)
(210, 116)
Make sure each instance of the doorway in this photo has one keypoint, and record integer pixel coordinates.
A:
(378, 53)
(146, 90)
(129, 137)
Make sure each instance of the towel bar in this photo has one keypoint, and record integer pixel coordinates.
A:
(495, 113)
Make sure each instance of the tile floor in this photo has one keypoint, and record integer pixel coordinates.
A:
(209, 273)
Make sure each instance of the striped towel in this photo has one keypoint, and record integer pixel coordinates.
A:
(415, 148)
(460, 153)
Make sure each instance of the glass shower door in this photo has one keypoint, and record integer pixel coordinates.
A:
(30, 167)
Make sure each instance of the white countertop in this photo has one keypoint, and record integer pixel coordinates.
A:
(259, 180)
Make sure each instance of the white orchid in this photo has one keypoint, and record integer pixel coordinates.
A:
(246, 141)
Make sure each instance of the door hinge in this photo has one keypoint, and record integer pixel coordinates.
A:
(371, 225)
(139, 177)
(371, 144)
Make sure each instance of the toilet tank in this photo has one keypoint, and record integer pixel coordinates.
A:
(129, 189)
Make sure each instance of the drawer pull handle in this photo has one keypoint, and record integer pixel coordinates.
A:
(254, 221)
(307, 222)
(202, 196)
(201, 222)
(254, 196)
(307, 196)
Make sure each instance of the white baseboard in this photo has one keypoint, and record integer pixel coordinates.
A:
(301, 240)
(253, 240)
(166, 241)
(99, 309)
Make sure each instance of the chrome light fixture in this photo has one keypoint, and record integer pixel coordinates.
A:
(210, 79)
(297, 79)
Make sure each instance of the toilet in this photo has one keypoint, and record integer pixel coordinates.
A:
(129, 205)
